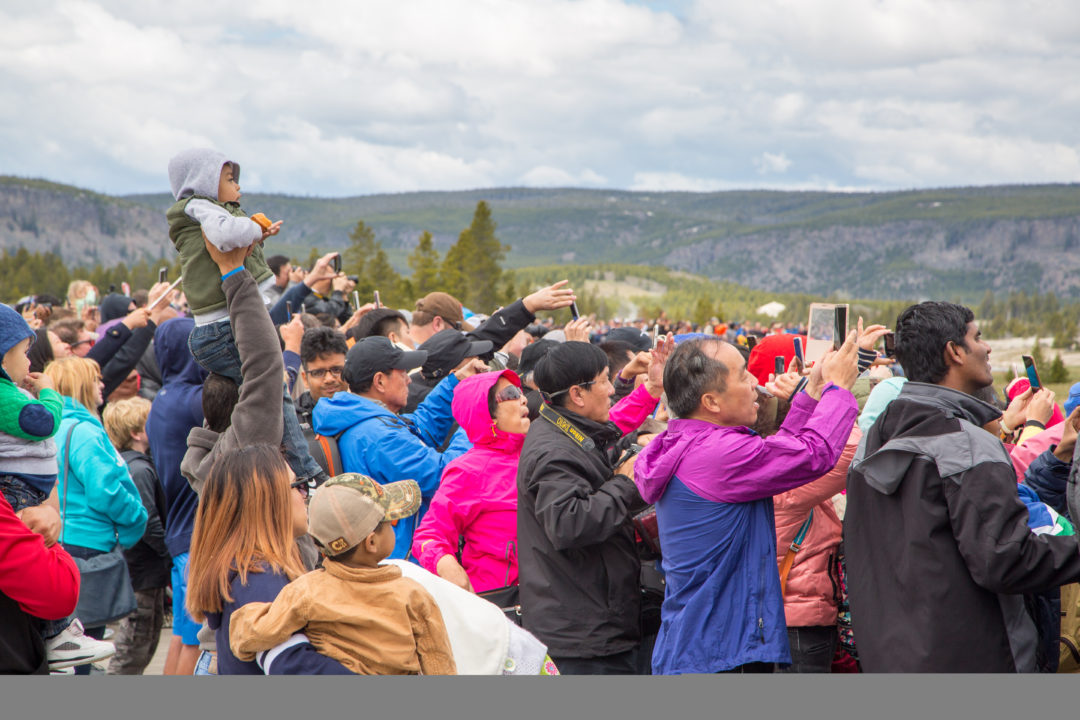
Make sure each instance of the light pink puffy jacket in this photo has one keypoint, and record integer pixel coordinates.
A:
(811, 596)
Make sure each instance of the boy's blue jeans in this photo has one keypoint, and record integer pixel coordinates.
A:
(214, 348)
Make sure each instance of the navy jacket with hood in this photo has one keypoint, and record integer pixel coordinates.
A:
(176, 409)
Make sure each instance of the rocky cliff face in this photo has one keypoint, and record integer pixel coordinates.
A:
(82, 227)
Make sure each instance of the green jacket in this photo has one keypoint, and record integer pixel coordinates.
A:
(202, 279)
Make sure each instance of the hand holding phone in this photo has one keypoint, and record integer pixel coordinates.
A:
(356, 299)
(335, 263)
(890, 344)
(778, 365)
(378, 302)
(163, 275)
(574, 310)
(800, 358)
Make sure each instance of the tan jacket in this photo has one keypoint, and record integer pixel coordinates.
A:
(371, 620)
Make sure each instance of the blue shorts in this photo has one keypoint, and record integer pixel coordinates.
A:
(182, 624)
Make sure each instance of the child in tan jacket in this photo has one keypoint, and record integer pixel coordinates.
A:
(366, 616)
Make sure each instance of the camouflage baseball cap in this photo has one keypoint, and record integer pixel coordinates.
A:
(348, 508)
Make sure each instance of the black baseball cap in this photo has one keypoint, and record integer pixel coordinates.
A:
(636, 338)
(445, 351)
(377, 354)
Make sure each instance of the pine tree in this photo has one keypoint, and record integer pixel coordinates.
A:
(1058, 373)
(424, 261)
(471, 269)
(381, 276)
(312, 258)
(361, 249)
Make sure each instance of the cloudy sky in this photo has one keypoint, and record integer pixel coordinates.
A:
(347, 97)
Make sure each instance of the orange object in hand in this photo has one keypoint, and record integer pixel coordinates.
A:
(262, 220)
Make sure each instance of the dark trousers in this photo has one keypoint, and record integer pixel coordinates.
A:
(624, 663)
(812, 649)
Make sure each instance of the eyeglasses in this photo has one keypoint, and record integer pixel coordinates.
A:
(508, 393)
(580, 385)
(82, 342)
(319, 373)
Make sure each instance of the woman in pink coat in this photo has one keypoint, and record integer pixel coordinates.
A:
(477, 498)
(811, 596)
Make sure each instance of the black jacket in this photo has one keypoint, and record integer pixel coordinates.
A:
(22, 650)
(148, 560)
(119, 351)
(937, 542)
(578, 565)
(501, 327)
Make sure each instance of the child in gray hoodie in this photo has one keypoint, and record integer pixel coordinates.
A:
(206, 186)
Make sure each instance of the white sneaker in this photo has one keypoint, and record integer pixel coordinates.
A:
(72, 647)
(108, 634)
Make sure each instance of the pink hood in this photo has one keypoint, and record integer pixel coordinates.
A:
(470, 408)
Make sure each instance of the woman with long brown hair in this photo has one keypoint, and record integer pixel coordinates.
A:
(243, 550)
(99, 503)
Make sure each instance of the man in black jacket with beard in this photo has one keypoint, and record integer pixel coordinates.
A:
(578, 566)
(938, 549)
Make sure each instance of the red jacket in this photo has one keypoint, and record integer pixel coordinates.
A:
(810, 598)
(35, 582)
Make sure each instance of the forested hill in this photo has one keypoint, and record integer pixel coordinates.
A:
(951, 243)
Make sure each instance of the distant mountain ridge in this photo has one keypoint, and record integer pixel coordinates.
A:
(945, 243)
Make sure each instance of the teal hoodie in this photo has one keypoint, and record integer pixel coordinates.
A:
(99, 503)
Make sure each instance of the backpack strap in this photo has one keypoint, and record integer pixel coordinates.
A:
(67, 467)
(793, 549)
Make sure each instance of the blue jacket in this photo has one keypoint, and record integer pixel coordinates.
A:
(177, 408)
(1049, 477)
(388, 447)
(101, 504)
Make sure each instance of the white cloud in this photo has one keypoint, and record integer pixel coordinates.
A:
(334, 97)
(769, 163)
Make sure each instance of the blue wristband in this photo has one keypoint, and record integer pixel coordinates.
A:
(231, 273)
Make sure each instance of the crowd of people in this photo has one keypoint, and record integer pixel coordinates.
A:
(310, 487)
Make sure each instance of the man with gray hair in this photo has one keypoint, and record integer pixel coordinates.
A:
(712, 479)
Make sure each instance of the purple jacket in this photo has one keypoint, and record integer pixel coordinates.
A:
(735, 464)
(712, 486)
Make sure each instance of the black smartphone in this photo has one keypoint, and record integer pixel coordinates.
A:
(890, 345)
(288, 310)
(751, 341)
(839, 326)
(1032, 372)
(378, 303)
(778, 365)
(163, 275)
(335, 263)
(574, 310)
(800, 358)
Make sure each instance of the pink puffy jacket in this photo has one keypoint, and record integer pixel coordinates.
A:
(810, 597)
(477, 496)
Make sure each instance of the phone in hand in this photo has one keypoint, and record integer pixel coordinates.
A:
(288, 310)
(778, 365)
(335, 263)
(378, 303)
(1032, 372)
(356, 299)
(163, 275)
(800, 358)
(574, 310)
(751, 341)
(890, 345)
(840, 328)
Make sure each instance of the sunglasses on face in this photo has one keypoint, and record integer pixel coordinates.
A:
(83, 342)
(319, 373)
(510, 392)
(304, 486)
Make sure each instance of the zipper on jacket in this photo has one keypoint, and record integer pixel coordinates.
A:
(761, 599)
(510, 547)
